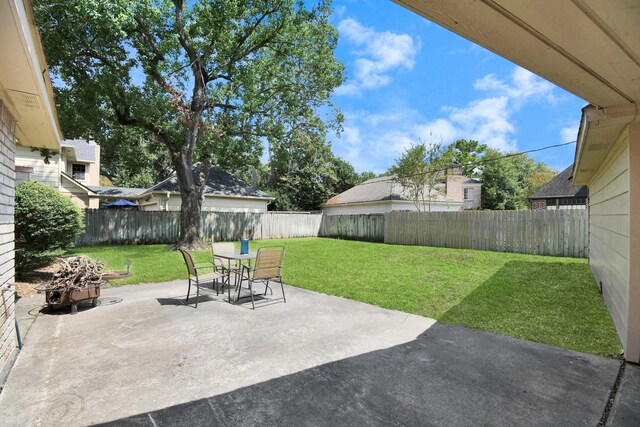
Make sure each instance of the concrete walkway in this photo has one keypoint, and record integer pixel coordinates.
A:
(143, 357)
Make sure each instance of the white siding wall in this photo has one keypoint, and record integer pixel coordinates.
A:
(387, 206)
(46, 174)
(8, 340)
(217, 204)
(609, 231)
(78, 195)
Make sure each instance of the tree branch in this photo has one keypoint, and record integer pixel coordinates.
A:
(152, 66)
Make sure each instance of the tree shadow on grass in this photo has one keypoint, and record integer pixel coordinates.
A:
(555, 303)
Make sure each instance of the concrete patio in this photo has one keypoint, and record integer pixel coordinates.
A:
(142, 357)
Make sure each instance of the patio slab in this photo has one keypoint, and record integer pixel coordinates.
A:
(142, 357)
(626, 407)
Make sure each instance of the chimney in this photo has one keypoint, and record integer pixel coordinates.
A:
(454, 182)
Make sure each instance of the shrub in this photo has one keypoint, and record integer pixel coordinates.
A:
(46, 224)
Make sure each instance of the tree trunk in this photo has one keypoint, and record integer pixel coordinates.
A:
(190, 211)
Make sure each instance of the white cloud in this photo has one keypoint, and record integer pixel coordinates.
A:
(524, 85)
(377, 55)
(569, 134)
(383, 136)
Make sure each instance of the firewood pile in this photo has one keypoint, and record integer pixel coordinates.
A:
(75, 273)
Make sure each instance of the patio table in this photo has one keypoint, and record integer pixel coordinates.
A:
(235, 256)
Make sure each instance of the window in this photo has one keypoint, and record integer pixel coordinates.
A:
(78, 171)
(468, 193)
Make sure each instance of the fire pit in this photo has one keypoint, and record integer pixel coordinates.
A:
(115, 275)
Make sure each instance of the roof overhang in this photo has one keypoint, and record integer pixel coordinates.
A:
(599, 130)
(89, 191)
(588, 47)
(24, 79)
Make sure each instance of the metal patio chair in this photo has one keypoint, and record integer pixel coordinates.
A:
(267, 268)
(226, 266)
(195, 276)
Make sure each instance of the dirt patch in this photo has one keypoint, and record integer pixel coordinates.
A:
(25, 289)
(28, 283)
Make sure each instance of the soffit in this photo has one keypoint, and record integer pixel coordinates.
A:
(24, 79)
(588, 47)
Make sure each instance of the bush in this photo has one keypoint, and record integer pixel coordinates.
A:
(46, 224)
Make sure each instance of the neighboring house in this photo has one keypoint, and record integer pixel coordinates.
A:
(27, 116)
(223, 193)
(384, 194)
(75, 171)
(560, 193)
(598, 61)
(71, 171)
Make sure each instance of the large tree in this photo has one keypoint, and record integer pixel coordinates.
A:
(201, 78)
(508, 179)
(467, 153)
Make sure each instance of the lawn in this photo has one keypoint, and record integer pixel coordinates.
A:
(544, 299)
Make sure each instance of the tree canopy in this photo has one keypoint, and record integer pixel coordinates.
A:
(418, 170)
(207, 80)
(508, 181)
(507, 178)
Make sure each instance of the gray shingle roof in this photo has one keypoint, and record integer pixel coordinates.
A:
(84, 151)
(561, 186)
(118, 192)
(219, 183)
(374, 190)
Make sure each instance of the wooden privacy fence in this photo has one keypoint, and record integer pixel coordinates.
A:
(549, 232)
(544, 232)
(105, 226)
(356, 227)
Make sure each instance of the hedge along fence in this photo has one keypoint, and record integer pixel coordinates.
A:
(107, 226)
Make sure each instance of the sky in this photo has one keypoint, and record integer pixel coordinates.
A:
(410, 80)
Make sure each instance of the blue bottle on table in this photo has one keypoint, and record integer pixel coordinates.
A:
(244, 246)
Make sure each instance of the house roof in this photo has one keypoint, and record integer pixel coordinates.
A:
(219, 183)
(83, 150)
(561, 186)
(375, 190)
(118, 192)
(77, 183)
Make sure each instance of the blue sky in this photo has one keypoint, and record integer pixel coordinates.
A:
(410, 79)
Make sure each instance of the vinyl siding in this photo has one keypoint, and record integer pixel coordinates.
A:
(609, 231)
(217, 204)
(79, 196)
(386, 206)
(48, 174)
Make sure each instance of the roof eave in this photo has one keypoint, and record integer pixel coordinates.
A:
(599, 129)
(25, 84)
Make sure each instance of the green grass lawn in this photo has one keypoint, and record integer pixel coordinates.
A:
(544, 299)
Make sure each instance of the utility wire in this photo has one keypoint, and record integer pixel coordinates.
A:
(478, 163)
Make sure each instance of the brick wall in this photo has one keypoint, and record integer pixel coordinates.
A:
(538, 204)
(8, 341)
